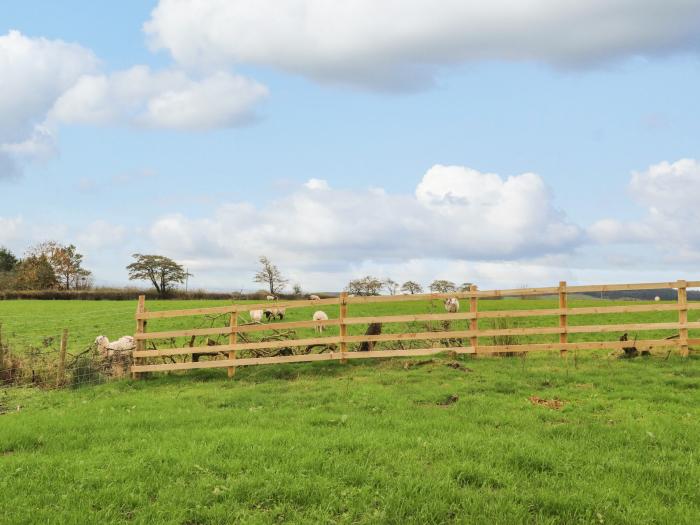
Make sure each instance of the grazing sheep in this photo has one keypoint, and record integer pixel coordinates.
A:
(452, 305)
(107, 349)
(256, 316)
(320, 315)
(271, 298)
(272, 313)
(657, 298)
(314, 297)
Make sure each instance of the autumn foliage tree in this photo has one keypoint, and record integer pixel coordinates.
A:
(365, 286)
(66, 262)
(442, 286)
(161, 271)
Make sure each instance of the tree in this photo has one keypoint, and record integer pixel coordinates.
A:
(411, 287)
(296, 290)
(7, 260)
(66, 263)
(271, 276)
(163, 272)
(365, 286)
(391, 286)
(442, 286)
(465, 287)
(35, 273)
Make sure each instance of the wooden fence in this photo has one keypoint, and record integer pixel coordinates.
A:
(143, 358)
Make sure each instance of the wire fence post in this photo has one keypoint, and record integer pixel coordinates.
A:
(343, 327)
(2, 354)
(233, 339)
(61, 375)
(140, 329)
(474, 323)
(683, 317)
(563, 321)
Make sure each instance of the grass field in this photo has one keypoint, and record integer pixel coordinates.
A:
(369, 442)
(29, 323)
(603, 440)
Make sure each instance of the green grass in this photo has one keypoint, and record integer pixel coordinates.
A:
(367, 442)
(30, 323)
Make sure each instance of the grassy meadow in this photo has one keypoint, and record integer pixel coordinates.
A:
(384, 441)
(540, 439)
(37, 323)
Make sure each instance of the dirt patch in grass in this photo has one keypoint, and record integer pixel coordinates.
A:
(449, 400)
(554, 404)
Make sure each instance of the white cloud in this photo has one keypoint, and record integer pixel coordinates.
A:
(33, 74)
(389, 43)
(317, 184)
(11, 229)
(101, 234)
(45, 83)
(456, 214)
(668, 192)
(163, 99)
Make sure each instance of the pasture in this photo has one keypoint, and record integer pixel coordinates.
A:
(536, 439)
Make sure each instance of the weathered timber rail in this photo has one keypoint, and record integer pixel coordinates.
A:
(338, 344)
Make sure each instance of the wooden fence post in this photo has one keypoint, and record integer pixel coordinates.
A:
(61, 375)
(474, 323)
(140, 329)
(563, 336)
(232, 340)
(683, 316)
(343, 327)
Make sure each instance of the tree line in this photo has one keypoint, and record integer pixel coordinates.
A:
(51, 265)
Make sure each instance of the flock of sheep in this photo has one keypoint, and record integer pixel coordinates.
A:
(127, 343)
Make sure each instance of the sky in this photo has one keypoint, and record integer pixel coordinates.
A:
(507, 143)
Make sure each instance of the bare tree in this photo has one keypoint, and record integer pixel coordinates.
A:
(271, 276)
(411, 287)
(442, 286)
(391, 286)
(163, 272)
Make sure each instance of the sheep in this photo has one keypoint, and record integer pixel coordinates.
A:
(452, 305)
(271, 298)
(272, 313)
(314, 297)
(657, 298)
(107, 349)
(256, 316)
(320, 315)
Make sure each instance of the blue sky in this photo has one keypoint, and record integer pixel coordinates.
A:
(417, 142)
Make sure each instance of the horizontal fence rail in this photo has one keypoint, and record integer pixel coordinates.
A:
(335, 347)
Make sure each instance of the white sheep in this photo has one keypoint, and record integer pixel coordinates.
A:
(657, 298)
(256, 316)
(320, 315)
(452, 305)
(314, 297)
(107, 349)
(271, 298)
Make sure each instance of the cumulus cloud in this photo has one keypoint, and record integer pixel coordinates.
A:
(34, 73)
(45, 83)
(668, 193)
(456, 213)
(163, 99)
(390, 44)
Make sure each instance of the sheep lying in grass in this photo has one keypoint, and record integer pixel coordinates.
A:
(107, 349)
(256, 316)
(272, 313)
(452, 305)
(320, 315)
(314, 297)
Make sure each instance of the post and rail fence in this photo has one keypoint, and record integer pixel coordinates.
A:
(339, 343)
